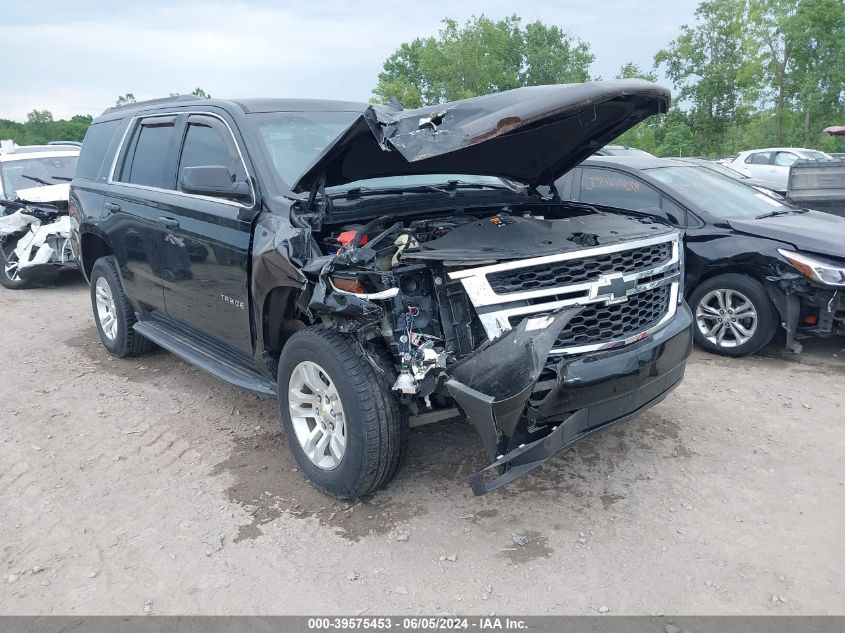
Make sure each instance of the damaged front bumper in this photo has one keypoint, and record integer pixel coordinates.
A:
(544, 405)
(806, 308)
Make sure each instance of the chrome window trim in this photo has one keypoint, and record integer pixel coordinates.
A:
(133, 122)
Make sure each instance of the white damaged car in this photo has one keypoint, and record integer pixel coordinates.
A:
(34, 221)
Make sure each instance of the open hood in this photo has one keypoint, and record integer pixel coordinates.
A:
(531, 135)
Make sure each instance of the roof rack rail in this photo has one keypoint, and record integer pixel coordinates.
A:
(72, 143)
(138, 104)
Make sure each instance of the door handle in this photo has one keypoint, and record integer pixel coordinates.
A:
(170, 223)
(111, 207)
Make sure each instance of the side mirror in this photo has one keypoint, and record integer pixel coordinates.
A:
(213, 180)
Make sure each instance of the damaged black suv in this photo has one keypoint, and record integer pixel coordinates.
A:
(376, 268)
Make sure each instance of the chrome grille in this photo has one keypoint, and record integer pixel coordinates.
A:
(622, 292)
(600, 324)
(575, 271)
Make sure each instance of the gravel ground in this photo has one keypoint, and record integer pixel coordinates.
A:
(145, 486)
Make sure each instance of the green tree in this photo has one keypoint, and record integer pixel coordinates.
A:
(817, 35)
(199, 92)
(479, 57)
(553, 57)
(633, 71)
(715, 69)
(125, 99)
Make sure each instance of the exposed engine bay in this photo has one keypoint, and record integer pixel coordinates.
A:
(449, 293)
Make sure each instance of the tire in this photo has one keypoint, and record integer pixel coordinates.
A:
(117, 336)
(8, 266)
(374, 427)
(737, 297)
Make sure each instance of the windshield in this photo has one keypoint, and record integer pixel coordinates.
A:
(616, 150)
(721, 169)
(27, 173)
(813, 154)
(719, 195)
(294, 139)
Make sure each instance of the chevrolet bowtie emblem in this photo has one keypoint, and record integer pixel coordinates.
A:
(614, 288)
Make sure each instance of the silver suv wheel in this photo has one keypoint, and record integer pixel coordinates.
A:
(316, 412)
(726, 318)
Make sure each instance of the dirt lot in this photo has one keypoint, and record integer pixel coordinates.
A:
(147, 486)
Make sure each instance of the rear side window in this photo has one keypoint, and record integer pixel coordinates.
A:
(760, 158)
(97, 140)
(147, 157)
(616, 189)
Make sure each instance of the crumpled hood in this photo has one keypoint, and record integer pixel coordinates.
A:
(46, 193)
(813, 231)
(531, 135)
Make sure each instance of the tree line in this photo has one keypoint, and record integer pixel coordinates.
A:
(745, 74)
(40, 127)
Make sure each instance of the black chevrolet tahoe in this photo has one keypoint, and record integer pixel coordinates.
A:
(375, 268)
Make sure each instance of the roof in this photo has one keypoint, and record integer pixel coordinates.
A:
(779, 149)
(246, 105)
(636, 162)
(299, 105)
(22, 152)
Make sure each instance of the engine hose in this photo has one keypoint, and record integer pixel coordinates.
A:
(369, 226)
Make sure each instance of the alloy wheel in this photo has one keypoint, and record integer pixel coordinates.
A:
(726, 318)
(316, 412)
(106, 310)
(11, 268)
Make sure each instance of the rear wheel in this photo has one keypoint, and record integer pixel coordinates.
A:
(9, 271)
(733, 315)
(113, 313)
(341, 419)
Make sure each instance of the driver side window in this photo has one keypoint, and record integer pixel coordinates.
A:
(209, 143)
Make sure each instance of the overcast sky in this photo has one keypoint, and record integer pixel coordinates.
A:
(77, 56)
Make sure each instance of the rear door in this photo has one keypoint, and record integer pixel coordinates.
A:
(209, 238)
(144, 171)
(759, 165)
(781, 163)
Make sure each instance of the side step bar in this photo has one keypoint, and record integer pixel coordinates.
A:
(207, 357)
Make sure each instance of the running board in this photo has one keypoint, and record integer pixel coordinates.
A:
(207, 357)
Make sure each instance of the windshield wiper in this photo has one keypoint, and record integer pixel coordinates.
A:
(36, 179)
(446, 188)
(772, 214)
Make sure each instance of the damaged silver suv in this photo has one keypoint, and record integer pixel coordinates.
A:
(375, 268)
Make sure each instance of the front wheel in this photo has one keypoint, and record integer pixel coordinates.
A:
(9, 271)
(341, 420)
(733, 315)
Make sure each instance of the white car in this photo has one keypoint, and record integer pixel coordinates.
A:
(772, 163)
(34, 222)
